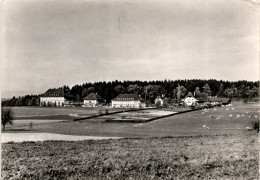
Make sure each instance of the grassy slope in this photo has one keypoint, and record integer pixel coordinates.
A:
(198, 157)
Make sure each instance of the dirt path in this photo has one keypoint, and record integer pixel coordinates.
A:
(21, 137)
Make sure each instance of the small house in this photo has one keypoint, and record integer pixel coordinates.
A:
(158, 101)
(92, 100)
(190, 100)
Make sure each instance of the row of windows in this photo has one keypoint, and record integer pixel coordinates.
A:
(55, 94)
(125, 98)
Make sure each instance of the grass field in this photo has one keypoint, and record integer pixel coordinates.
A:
(197, 157)
(176, 147)
(57, 113)
(217, 119)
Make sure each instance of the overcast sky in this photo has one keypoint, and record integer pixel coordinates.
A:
(50, 43)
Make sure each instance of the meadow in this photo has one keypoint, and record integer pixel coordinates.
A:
(197, 157)
(206, 144)
(57, 113)
(219, 120)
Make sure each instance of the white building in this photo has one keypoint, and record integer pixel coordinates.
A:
(92, 100)
(127, 101)
(53, 97)
(158, 101)
(190, 100)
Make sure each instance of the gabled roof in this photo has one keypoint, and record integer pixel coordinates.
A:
(127, 97)
(158, 98)
(92, 96)
(189, 95)
(53, 93)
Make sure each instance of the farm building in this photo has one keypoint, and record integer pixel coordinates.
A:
(127, 101)
(158, 101)
(190, 100)
(53, 97)
(92, 100)
(216, 100)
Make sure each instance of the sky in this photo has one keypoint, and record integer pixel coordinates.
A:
(51, 43)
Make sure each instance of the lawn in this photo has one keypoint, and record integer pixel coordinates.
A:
(196, 157)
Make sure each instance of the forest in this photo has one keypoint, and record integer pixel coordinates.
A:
(149, 90)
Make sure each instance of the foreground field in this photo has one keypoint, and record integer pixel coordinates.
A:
(198, 157)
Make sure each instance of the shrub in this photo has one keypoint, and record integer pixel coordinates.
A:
(6, 117)
(255, 125)
(106, 111)
(99, 111)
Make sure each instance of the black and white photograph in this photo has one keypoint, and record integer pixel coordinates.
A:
(130, 89)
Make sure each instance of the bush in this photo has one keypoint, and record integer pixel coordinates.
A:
(99, 111)
(106, 111)
(6, 117)
(255, 125)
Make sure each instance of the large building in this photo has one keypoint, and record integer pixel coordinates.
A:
(127, 101)
(92, 100)
(53, 97)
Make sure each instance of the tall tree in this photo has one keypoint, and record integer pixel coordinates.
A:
(179, 93)
(197, 90)
(221, 90)
(206, 89)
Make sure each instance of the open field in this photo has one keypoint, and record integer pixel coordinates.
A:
(204, 144)
(218, 120)
(57, 113)
(197, 157)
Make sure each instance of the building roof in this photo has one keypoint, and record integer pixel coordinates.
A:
(216, 99)
(225, 100)
(53, 93)
(189, 95)
(158, 98)
(92, 96)
(127, 97)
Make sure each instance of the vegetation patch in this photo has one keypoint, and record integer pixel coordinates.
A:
(199, 157)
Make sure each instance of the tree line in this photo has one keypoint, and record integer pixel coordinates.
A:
(149, 90)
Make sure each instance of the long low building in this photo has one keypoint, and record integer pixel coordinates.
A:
(127, 101)
(217, 100)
